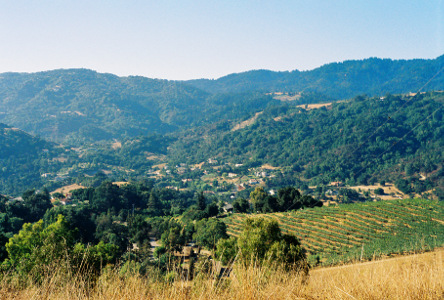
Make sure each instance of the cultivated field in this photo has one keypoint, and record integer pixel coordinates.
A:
(360, 231)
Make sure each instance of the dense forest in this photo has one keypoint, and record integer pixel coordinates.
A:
(361, 141)
(120, 128)
(78, 105)
(346, 79)
(23, 158)
(109, 223)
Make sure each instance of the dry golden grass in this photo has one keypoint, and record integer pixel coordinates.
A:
(314, 106)
(68, 188)
(120, 183)
(247, 122)
(116, 145)
(410, 277)
(413, 277)
(388, 190)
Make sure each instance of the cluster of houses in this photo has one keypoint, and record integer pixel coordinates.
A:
(214, 168)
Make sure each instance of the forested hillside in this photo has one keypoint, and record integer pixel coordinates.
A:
(80, 105)
(23, 159)
(86, 104)
(29, 162)
(347, 79)
(363, 140)
(124, 126)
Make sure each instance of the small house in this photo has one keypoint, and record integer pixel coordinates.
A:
(228, 208)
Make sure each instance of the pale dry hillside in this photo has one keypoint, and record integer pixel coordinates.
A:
(410, 277)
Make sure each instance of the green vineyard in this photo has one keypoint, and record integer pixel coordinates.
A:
(360, 231)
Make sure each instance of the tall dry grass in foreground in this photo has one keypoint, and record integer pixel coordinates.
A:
(418, 276)
(413, 277)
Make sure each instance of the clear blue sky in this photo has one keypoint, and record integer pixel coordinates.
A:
(187, 39)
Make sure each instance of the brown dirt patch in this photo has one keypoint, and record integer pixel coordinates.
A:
(314, 106)
(68, 188)
(120, 183)
(269, 167)
(246, 122)
(60, 159)
(116, 145)
(159, 166)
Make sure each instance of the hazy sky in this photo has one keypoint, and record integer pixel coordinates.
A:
(207, 39)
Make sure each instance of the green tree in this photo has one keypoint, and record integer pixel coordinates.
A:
(257, 198)
(139, 230)
(209, 232)
(257, 237)
(95, 257)
(111, 230)
(212, 210)
(154, 206)
(287, 198)
(241, 205)
(201, 202)
(226, 250)
(173, 238)
(379, 191)
(105, 197)
(261, 239)
(37, 203)
(35, 247)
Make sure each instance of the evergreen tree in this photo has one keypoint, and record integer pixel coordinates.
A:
(154, 206)
(201, 202)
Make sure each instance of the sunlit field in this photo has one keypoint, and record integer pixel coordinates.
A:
(409, 277)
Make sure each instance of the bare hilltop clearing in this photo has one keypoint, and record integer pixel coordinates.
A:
(246, 122)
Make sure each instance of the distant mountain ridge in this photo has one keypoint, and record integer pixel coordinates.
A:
(83, 105)
(82, 101)
(372, 76)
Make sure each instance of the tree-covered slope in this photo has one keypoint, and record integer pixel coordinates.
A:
(358, 141)
(371, 76)
(83, 105)
(80, 105)
(88, 104)
(23, 159)
(28, 162)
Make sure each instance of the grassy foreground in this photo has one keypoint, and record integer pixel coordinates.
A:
(410, 277)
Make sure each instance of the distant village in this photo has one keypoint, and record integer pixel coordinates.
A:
(224, 180)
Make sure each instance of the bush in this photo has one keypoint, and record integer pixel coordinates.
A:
(261, 240)
(379, 191)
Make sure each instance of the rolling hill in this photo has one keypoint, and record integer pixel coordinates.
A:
(345, 233)
(80, 105)
(24, 158)
(372, 76)
(363, 140)
(83, 103)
